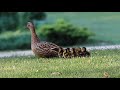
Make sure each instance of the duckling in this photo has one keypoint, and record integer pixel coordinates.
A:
(67, 53)
(60, 52)
(78, 52)
(85, 53)
(73, 52)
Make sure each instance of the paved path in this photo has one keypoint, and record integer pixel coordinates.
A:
(104, 47)
(29, 52)
(15, 53)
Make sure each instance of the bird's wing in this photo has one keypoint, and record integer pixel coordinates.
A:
(48, 45)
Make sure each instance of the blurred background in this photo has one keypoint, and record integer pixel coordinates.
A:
(63, 28)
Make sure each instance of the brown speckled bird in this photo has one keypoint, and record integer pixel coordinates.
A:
(60, 52)
(73, 52)
(41, 49)
(85, 53)
(67, 53)
(78, 52)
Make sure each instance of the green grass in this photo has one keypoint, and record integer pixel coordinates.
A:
(32, 67)
(104, 24)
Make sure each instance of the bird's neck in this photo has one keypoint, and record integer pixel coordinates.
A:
(34, 37)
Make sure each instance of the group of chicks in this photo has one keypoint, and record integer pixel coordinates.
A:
(73, 52)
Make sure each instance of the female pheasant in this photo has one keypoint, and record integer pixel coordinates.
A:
(41, 49)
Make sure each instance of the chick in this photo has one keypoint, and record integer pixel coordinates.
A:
(73, 52)
(60, 52)
(67, 53)
(78, 52)
(85, 53)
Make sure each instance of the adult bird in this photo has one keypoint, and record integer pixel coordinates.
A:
(41, 49)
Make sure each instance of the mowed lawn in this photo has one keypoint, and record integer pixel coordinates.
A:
(106, 25)
(100, 63)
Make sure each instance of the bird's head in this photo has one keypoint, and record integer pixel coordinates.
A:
(30, 25)
(83, 49)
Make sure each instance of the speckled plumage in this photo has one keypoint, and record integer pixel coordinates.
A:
(60, 52)
(67, 53)
(73, 52)
(41, 49)
(76, 52)
(85, 53)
